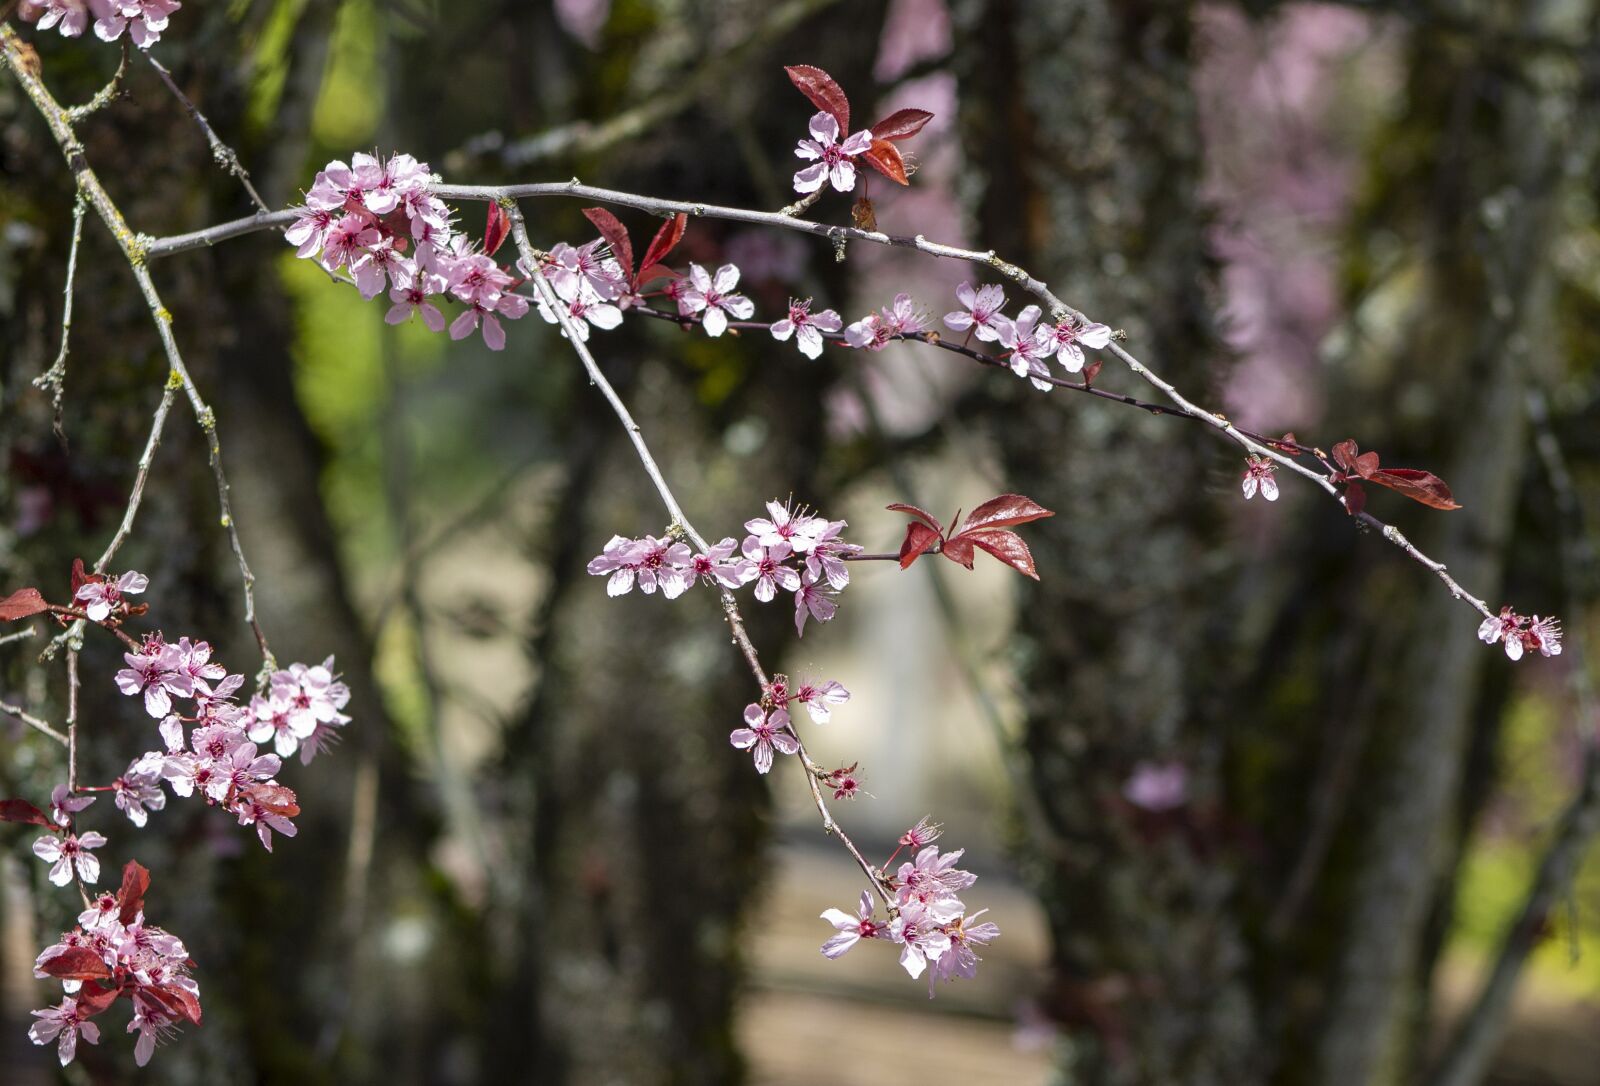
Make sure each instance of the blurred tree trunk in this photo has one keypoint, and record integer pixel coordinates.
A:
(1081, 120)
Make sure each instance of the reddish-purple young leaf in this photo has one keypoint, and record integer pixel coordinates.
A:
(884, 157)
(901, 124)
(20, 810)
(1005, 510)
(616, 236)
(94, 999)
(824, 93)
(919, 537)
(1348, 455)
(1091, 371)
(1287, 443)
(1355, 498)
(130, 898)
(1419, 486)
(1004, 545)
(959, 550)
(495, 228)
(22, 603)
(76, 963)
(921, 514)
(179, 1003)
(276, 798)
(81, 577)
(664, 242)
(653, 272)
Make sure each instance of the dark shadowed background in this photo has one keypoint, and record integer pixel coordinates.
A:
(534, 858)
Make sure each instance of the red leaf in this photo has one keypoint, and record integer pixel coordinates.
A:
(1002, 511)
(1419, 486)
(1355, 498)
(1004, 545)
(1348, 455)
(901, 124)
(958, 550)
(135, 881)
(666, 239)
(921, 514)
(884, 157)
(20, 810)
(496, 228)
(81, 577)
(93, 999)
(654, 271)
(616, 236)
(1091, 371)
(179, 1003)
(1287, 443)
(22, 603)
(824, 93)
(919, 537)
(76, 963)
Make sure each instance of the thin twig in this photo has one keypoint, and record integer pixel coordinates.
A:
(72, 720)
(89, 186)
(55, 378)
(221, 153)
(106, 94)
(20, 635)
(730, 607)
(32, 721)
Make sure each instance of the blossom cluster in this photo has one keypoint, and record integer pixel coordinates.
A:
(787, 549)
(377, 221)
(1521, 634)
(1029, 343)
(768, 727)
(144, 20)
(927, 918)
(114, 953)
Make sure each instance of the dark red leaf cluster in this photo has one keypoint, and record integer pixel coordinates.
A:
(616, 235)
(1357, 467)
(20, 810)
(902, 124)
(986, 528)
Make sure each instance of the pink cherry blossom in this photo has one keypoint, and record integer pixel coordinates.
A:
(583, 305)
(764, 566)
(570, 268)
(619, 563)
(714, 298)
(155, 672)
(100, 598)
(71, 16)
(714, 566)
(921, 938)
(812, 600)
(413, 301)
(138, 790)
(852, 929)
(765, 732)
(923, 834)
(821, 699)
(144, 20)
(309, 230)
(1258, 475)
(1030, 347)
(982, 313)
(66, 1022)
(832, 159)
(826, 558)
(960, 960)
(664, 564)
(787, 524)
(807, 327)
(1070, 338)
(63, 805)
(65, 852)
(1521, 634)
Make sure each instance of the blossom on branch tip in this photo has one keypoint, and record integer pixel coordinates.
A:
(982, 313)
(851, 929)
(923, 834)
(1521, 634)
(63, 805)
(806, 327)
(102, 597)
(832, 160)
(763, 733)
(821, 700)
(66, 1022)
(70, 16)
(1258, 475)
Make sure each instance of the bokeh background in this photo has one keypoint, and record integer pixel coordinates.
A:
(1246, 796)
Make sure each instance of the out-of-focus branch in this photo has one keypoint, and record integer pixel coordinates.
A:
(1467, 1057)
(32, 721)
(221, 153)
(89, 187)
(55, 378)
